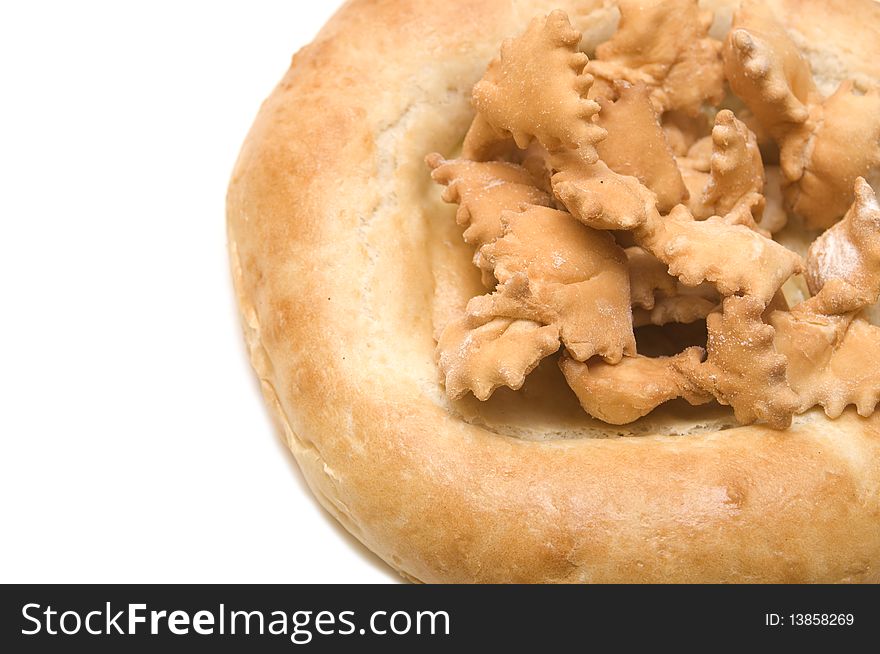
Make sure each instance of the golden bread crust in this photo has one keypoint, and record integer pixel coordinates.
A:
(330, 214)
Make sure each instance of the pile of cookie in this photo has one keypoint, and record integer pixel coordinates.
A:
(601, 195)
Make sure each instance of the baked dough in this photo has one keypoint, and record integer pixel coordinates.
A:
(346, 263)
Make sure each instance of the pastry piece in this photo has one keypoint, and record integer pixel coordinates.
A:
(500, 352)
(554, 270)
(556, 277)
(601, 198)
(844, 144)
(743, 369)
(538, 89)
(665, 45)
(767, 71)
(622, 393)
(483, 190)
(825, 143)
(735, 186)
(636, 145)
(833, 359)
(734, 258)
(850, 251)
(833, 353)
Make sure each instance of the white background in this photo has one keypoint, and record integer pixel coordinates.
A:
(135, 446)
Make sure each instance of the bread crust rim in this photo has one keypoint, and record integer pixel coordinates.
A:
(439, 499)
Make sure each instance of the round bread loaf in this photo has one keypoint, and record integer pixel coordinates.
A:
(344, 256)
